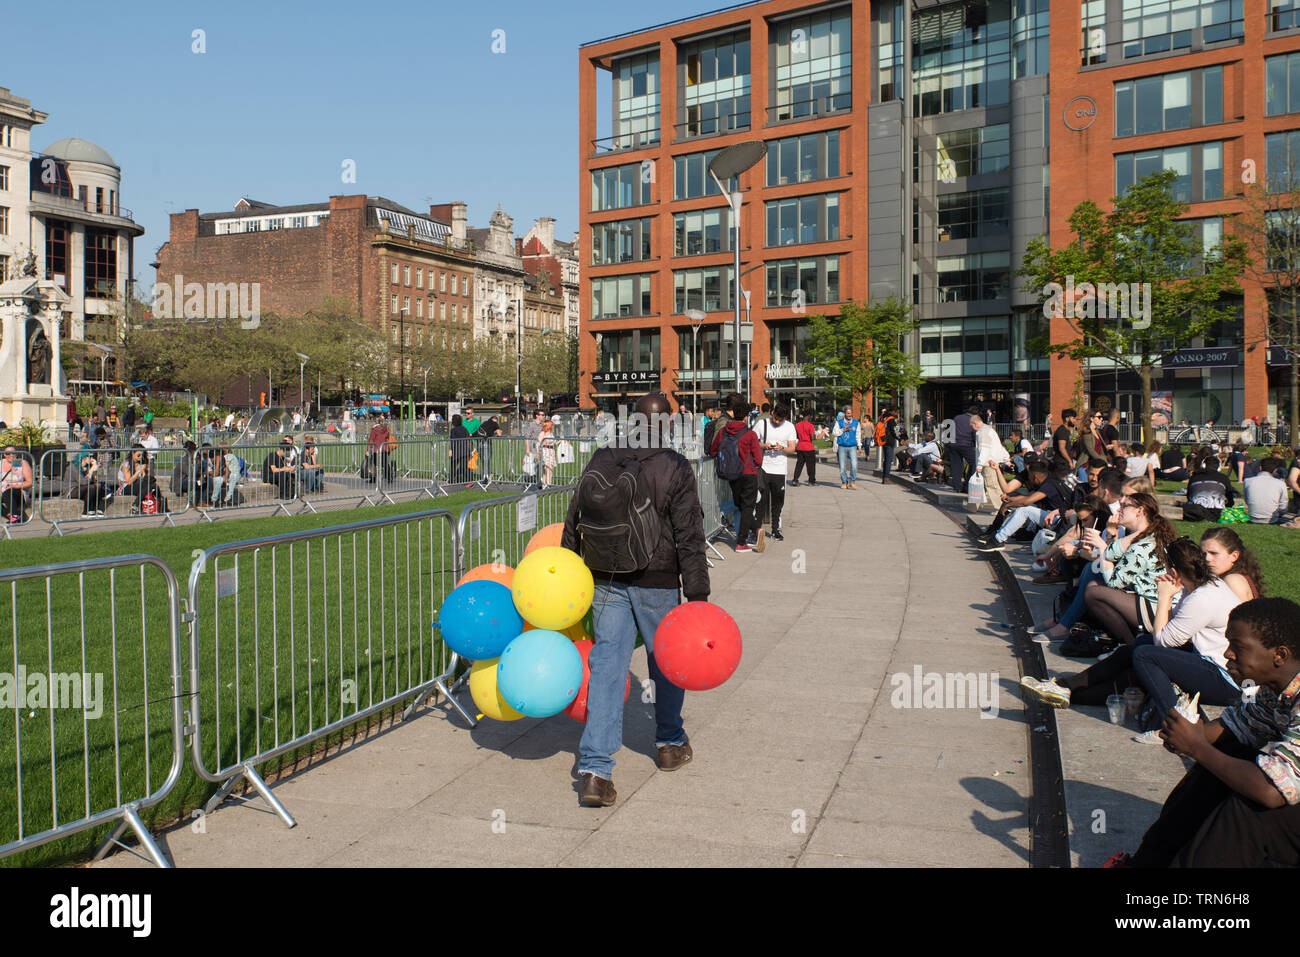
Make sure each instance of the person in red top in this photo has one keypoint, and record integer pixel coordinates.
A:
(744, 490)
(805, 453)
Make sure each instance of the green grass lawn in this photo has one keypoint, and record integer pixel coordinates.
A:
(1278, 551)
(290, 636)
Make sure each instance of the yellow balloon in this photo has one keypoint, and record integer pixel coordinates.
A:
(553, 588)
(483, 689)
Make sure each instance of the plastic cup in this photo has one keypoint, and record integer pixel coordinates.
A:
(1133, 698)
(1115, 706)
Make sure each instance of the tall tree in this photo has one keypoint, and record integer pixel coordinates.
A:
(1135, 284)
(861, 349)
(1269, 225)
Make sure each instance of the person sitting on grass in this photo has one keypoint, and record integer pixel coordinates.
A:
(1266, 494)
(1208, 490)
(1239, 805)
(1173, 465)
(1185, 646)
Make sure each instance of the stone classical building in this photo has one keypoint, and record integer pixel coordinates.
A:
(543, 253)
(60, 212)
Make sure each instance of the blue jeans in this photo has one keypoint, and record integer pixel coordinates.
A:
(890, 457)
(1158, 669)
(1077, 606)
(848, 455)
(620, 611)
(1026, 514)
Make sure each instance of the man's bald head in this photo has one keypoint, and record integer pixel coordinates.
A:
(654, 404)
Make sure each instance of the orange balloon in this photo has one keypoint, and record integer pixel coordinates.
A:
(546, 537)
(490, 573)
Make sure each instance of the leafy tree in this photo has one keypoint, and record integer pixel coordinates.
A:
(1269, 225)
(861, 349)
(1139, 252)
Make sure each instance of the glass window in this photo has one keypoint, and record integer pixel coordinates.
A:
(1132, 167)
(971, 346)
(690, 177)
(978, 276)
(1212, 95)
(1282, 84)
(1159, 26)
(625, 240)
(803, 219)
(962, 57)
(708, 288)
(636, 101)
(813, 71)
(614, 296)
(617, 187)
(1157, 103)
(701, 232)
(800, 282)
(971, 152)
(802, 159)
(1282, 161)
(714, 85)
(984, 212)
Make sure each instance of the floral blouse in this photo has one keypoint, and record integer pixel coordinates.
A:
(1135, 568)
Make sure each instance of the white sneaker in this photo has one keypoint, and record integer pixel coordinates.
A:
(1042, 638)
(1058, 696)
(1149, 737)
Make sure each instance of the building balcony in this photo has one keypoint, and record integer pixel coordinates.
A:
(72, 205)
(625, 142)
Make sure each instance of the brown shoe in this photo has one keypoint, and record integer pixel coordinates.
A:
(596, 791)
(762, 542)
(672, 756)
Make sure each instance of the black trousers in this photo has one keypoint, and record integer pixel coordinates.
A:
(888, 459)
(773, 499)
(957, 456)
(808, 458)
(1204, 823)
(744, 492)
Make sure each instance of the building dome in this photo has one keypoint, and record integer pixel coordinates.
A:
(78, 150)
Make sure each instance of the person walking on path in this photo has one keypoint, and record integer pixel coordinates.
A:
(740, 456)
(888, 442)
(628, 601)
(777, 437)
(805, 452)
(846, 446)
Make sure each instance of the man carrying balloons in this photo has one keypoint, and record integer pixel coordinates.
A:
(636, 520)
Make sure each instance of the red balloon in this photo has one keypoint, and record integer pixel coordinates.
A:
(577, 710)
(697, 646)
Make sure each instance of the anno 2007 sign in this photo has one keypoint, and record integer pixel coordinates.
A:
(1080, 113)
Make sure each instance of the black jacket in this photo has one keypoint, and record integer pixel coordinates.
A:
(679, 560)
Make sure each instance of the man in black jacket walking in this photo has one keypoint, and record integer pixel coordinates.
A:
(638, 601)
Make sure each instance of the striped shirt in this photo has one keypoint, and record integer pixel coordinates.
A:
(1271, 722)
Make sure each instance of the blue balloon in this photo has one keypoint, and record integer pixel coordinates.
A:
(539, 673)
(478, 619)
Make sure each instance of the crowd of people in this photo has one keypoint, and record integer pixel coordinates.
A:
(1188, 623)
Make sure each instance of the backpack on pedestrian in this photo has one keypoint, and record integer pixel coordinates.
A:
(619, 527)
(729, 464)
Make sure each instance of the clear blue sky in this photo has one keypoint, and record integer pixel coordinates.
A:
(288, 90)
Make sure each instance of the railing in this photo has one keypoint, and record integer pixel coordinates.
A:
(807, 109)
(86, 485)
(95, 735)
(626, 141)
(84, 203)
(17, 505)
(713, 126)
(297, 636)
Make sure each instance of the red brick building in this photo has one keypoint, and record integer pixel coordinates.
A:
(410, 273)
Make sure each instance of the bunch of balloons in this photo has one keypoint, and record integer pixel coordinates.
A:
(529, 631)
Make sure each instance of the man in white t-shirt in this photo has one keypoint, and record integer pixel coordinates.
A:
(777, 437)
(149, 441)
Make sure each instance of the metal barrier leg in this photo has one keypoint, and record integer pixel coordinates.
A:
(439, 685)
(247, 773)
(713, 548)
(131, 819)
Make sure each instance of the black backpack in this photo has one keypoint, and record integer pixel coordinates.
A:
(729, 464)
(619, 526)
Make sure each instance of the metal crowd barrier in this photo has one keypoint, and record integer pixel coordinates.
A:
(497, 531)
(294, 637)
(95, 735)
(68, 495)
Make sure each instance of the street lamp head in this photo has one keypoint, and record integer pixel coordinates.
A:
(303, 357)
(696, 315)
(734, 160)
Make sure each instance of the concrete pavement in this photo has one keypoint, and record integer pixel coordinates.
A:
(828, 746)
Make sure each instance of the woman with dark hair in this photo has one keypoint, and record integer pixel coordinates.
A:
(1189, 642)
(1090, 446)
(1130, 566)
(459, 449)
(1186, 646)
(1173, 465)
(1230, 559)
(135, 477)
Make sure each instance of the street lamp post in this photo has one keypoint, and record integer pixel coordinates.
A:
(103, 382)
(731, 162)
(696, 316)
(401, 354)
(302, 364)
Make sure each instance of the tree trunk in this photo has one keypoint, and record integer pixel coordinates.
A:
(1145, 374)
(1293, 348)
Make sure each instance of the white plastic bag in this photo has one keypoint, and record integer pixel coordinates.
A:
(975, 489)
(564, 453)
